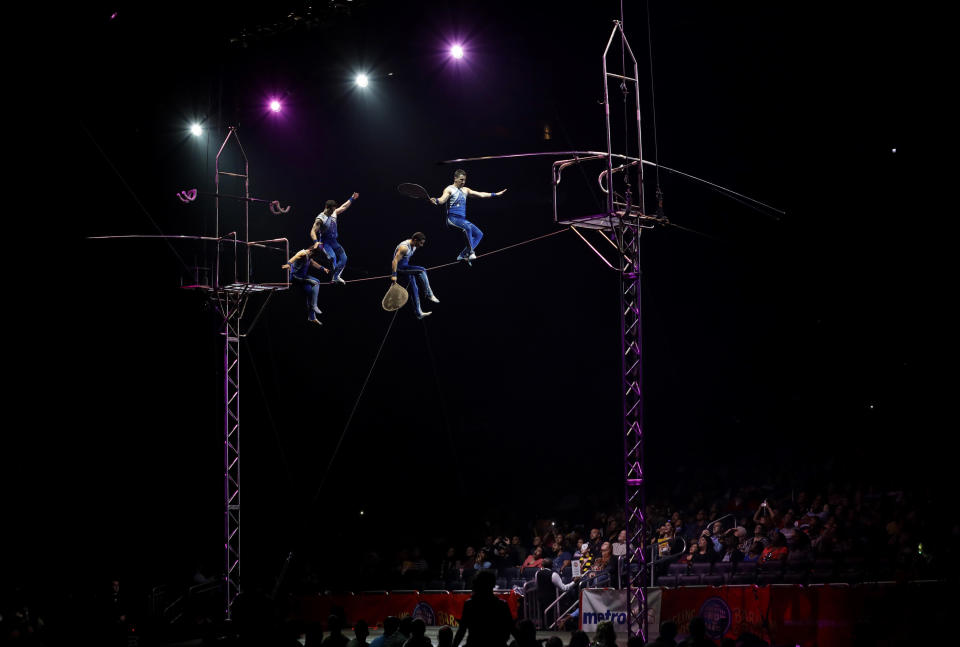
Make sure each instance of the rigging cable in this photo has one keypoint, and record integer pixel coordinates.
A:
(356, 403)
(134, 195)
(653, 110)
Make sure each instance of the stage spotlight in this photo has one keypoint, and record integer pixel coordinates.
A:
(196, 130)
(362, 80)
(275, 105)
(456, 51)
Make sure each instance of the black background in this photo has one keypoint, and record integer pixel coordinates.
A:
(771, 346)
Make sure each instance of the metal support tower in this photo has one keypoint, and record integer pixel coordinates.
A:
(231, 306)
(626, 225)
(231, 300)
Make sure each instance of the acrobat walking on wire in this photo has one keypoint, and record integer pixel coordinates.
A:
(401, 266)
(457, 194)
(299, 276)
(325, 231)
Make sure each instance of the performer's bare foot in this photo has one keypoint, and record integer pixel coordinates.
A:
(316, 321)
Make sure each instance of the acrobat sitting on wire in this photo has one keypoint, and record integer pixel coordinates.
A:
(457, 194)
(325, 231)
(299, 275)
(401, 266)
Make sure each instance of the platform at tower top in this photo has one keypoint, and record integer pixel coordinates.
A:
(241, 288)
(608, 222)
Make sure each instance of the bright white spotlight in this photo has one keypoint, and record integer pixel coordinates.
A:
(275, 105)
(362, 80)
(196, 130)
(456, 51)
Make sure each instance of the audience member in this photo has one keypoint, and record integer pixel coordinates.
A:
(535, 560)
(360, 633)
(336, 638)
(667, 637)
(390, 626)
(579, 638)
(605, 636)
(526, 634)
(620, 545)
(445, 636)
(776, 551)
(418, 638)
(698, 635)
(486, 619)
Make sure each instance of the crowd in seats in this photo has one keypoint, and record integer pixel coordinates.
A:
(750, 535)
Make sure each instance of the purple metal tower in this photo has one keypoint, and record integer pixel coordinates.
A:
(627, 229)
(230, 299)
(620, 226)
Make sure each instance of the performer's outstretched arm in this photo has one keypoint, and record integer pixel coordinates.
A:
(483, 194)
(295, 257)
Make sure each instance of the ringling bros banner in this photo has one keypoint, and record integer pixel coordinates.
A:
(435, 609)
(809, 616)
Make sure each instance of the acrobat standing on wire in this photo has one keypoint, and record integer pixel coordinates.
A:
(325, 231)
(401, 265)
(457, 194)
(299, 276)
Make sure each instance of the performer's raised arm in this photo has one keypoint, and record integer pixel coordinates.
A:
(324, 231)
(346, 205)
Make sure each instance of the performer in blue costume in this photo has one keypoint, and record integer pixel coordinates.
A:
(299, 276)
(325, 231)
(401, 266)
(457, 194)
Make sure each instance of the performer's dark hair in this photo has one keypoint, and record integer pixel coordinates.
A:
(459, 172)
(331, 204)
(419, 237)
(547, 562)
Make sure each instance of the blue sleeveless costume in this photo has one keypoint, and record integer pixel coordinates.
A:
(331, 245)
(457, 217)
(311, 286)
(417, 274)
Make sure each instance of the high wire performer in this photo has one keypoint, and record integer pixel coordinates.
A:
(456, 194)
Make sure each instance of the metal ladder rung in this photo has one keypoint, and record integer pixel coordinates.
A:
(620, 76)
(232, 174)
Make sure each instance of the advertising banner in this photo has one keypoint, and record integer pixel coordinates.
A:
(597, 605)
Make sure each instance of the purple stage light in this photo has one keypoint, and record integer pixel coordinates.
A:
(275, 105)
(456, 51)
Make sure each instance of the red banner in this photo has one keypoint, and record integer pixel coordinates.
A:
(435, 609)
(828, 615)
(728, 611)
